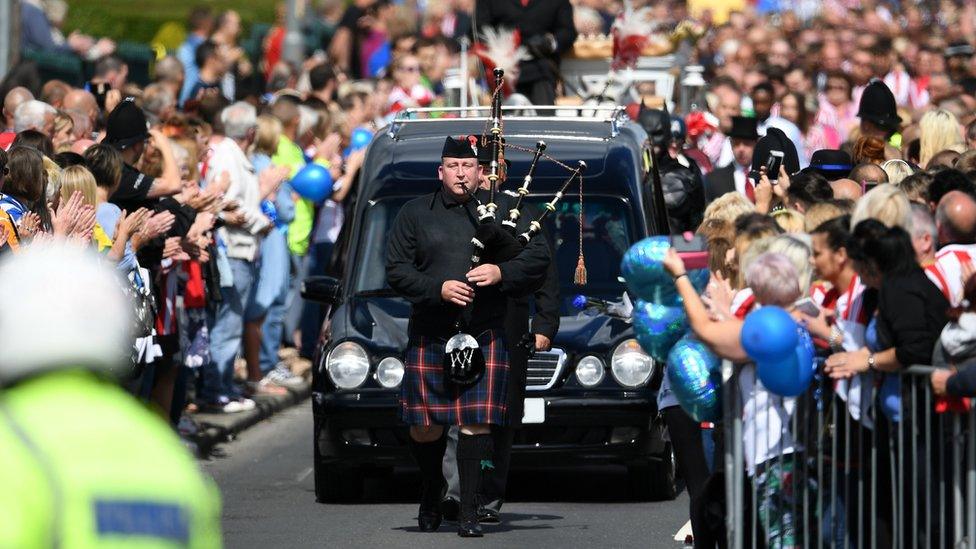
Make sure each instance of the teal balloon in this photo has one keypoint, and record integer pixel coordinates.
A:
(313, 182)
(769, 334)
(792, 375)
(658, 327)
(695, 374)
(643, 269)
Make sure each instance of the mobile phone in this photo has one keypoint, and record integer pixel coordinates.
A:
(692, 249)
(807, 306)
(773, 164)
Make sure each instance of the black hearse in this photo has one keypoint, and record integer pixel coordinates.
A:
(591, 400)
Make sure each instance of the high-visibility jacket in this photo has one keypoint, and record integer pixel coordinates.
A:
(83, 465)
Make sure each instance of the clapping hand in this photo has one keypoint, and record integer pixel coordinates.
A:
(173, 249)
(74, 219)
(30, 224)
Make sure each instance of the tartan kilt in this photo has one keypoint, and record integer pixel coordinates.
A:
(427, 398)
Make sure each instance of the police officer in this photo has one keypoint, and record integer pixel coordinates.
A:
(684, 192)
(522, 343)
(84, 464)
(429, 263)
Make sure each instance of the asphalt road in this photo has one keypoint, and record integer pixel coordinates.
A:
(265, 478)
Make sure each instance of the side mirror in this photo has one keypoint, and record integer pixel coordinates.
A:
(322, 289)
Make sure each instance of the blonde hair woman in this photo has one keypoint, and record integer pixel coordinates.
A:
(938, 130)
(897, 170)
(62, 138)
(78, 179)
(267, 135)
(791, 221)
(886, 203)
(729, 207)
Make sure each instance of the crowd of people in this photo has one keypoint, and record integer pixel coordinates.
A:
(183, 184)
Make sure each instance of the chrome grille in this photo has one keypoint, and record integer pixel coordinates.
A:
(545, 369)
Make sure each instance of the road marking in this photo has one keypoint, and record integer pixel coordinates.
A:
(683, 533)
(308, 471)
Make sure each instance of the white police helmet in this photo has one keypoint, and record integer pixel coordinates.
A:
(61, 308)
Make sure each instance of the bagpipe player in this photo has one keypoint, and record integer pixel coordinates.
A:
(429, 262)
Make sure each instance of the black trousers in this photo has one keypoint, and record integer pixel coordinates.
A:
(539, 92)
(689, 452)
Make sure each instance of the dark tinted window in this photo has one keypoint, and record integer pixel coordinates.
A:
(607, 234)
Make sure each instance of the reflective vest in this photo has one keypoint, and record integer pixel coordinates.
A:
(300, 229)
(83, 464)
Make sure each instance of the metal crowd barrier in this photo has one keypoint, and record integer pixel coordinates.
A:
(909, 483)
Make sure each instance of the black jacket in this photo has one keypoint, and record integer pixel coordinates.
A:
(719, 182)
(539, 17)
(684, 194)
(431, 243)
(911, 315)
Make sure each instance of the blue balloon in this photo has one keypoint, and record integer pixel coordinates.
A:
(360, 139)
(658, 327)
(890, 397)
(643, 269)
(769, 334)
(792, 376)
(695, 375)
(313, 182)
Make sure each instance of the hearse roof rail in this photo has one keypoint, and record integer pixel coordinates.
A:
(613, 116)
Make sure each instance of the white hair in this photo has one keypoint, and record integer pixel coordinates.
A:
(63, 308)
(797, 248)
(307, 120)
(886, 203)
(773, 280)
(238, 119)
(30, 115)
(923, 222)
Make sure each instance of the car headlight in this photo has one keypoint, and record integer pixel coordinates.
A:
(589, 371)
(630, 365)
(389, 372)
(348, 365)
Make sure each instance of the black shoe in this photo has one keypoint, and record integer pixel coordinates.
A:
(470, 530)
(450, 508)
(488, 516)
(428, 520)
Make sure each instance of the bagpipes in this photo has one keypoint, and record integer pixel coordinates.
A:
(496, 242)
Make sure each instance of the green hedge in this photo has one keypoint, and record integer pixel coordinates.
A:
(139, 20)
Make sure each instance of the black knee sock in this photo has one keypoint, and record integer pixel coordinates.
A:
(474, 461)
(429, 456)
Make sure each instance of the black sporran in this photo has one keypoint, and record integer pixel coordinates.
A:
(464, 362)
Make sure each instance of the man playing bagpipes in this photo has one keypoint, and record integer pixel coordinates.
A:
(457, 367)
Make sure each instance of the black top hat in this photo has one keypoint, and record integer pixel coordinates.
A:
(465, 146)
(775, 140)
(831, 163)
(744, 127)
(878, 106)
(126, 125)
